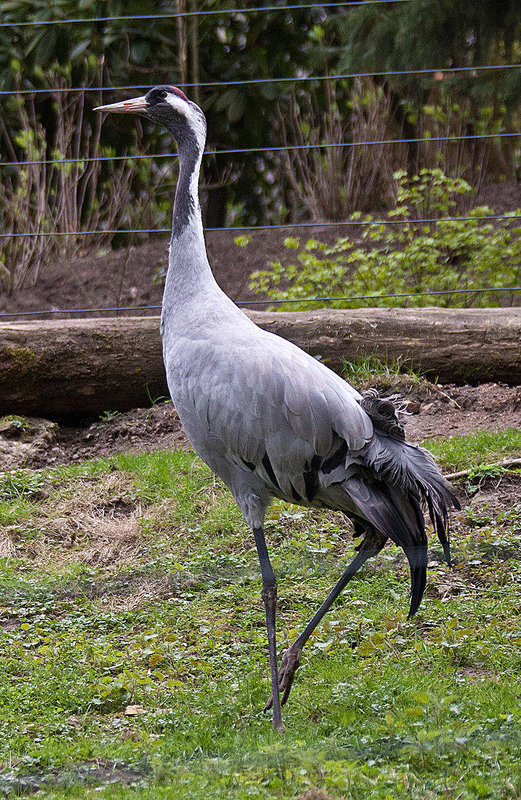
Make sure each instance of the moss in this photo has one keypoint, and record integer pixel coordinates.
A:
(20, 358)
(39, 431)
(13, 426)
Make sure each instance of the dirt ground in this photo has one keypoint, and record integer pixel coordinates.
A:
(125, 277)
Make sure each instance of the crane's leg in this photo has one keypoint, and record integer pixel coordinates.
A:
(370, 547)
(269, 595)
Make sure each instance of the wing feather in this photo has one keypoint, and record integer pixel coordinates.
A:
(270, 398)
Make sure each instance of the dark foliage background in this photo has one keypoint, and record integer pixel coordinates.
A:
(197, 50)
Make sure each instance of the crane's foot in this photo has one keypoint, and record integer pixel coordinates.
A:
(289, 665)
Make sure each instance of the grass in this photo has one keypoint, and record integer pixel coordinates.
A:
(476, 449)
(397, 374)
(134, 661)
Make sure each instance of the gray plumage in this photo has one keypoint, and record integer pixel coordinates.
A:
(272, 421)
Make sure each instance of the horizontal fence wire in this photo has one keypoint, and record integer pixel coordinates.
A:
(203, 13)
(435, 72)
(446, 71)
(267, 149)
(270, 301)
(109, 232)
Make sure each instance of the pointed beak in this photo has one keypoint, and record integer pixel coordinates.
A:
(137, 105)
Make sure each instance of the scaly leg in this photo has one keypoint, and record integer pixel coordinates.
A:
(269, 595)
(370, 547)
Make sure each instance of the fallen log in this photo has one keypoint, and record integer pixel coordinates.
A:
(79, 368)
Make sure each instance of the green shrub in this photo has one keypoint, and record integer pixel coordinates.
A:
(405, 256)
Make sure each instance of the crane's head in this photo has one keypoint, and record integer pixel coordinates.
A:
(168, 106)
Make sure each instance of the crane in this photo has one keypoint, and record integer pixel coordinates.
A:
(273, 422)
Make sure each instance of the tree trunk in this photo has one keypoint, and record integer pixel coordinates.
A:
(80, 368)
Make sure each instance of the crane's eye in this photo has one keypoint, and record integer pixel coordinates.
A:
(156, 96)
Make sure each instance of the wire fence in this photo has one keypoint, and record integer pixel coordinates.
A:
(201, 13)
(434, 73)
(340, 223)
(268, 149)
(266, 302)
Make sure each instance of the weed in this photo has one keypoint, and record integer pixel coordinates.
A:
(20, 484)
(370, 371)
(109, 416)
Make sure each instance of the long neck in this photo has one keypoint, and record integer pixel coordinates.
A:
(188, 270)
(187, 209)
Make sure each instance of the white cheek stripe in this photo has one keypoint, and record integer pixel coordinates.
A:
(183, 108)
(179, 104)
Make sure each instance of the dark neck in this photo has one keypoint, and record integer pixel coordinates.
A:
(187, 209)
(189, 276)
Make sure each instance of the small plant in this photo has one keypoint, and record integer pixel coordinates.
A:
(371, 371)
(20, 484)
(406, 257)
(479, 475)
(242, 241)
(109, 416)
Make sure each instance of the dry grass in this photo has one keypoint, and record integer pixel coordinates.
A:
(7, 546)
(92, 520)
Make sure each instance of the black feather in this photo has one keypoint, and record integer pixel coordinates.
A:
(269, 469)
(334, 461)
(295, 495)
(417, 558)
(384, 413)
(311, 484)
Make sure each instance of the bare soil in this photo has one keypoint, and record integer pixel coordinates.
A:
(129, 277)
(453, 410)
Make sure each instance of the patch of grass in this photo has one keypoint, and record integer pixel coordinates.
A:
(20, 484)
(135, 651)
(18, 492)
(475, 449)
(371, 371)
